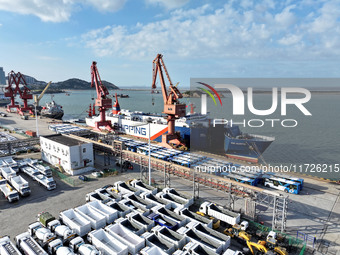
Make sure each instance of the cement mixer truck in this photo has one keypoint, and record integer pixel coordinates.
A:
(56, 247)
(42, 235)
(78, 245)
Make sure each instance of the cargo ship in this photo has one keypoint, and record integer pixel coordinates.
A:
(52, 110)
(236, 145)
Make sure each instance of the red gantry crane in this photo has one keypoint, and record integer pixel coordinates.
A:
(102, 101)
(25, 92)
(172, 107)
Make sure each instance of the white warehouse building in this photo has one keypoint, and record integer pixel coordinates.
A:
(75, 157)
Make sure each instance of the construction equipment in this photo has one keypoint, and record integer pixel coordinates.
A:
(172, 107)
(102, 101)
(10, 92)
(255, 248)
(236, 231)
(38, 98)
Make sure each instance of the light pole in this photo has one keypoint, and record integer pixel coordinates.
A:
(149, 155)
(36, 119)
(149, 144)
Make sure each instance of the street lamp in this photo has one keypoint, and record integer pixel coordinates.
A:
(36, 118)
(149, 122)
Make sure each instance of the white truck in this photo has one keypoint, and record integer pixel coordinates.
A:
(110, 192)
(190, 200)
(225, 215)
(28, 245)
(180, 220)
(21, 185)
(8, 172)
(107, 243)
(142, 202)
(31, 172)
(121, 209)
(45, 170)
(142, 220)
(134, 242)
(153, 250)
(194, 217)
(7, 247)
(133, 226)
(152, 240)
(97, 219)
(10, 162)
(80, 247)
(138, 184)
(56, 247)
(41, 234)
(173, 237)
(152, 199)
(10, 194)
(176, 202)
(47, 182)
(198, 249)
(124, 188)
(76, 222)
(222, 238)
(94, 196)
(62, 231)
(110, 214)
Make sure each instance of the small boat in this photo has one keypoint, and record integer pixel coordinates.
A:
(123, 95)
(67, 94)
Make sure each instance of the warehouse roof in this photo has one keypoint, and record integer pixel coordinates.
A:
(65, 140)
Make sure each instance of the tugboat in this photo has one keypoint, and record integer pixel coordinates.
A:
(52, 110)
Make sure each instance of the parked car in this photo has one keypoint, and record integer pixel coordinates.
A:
(83, 178)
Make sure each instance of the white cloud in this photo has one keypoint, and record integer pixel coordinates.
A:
(56, 10)
(229, 32)
(169, 4)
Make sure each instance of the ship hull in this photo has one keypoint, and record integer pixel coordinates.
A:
(57, 116)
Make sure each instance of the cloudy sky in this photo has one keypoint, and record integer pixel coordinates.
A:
(56, 40)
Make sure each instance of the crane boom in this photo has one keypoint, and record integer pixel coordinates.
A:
(38, 98)
(102, 102)
(172, 107)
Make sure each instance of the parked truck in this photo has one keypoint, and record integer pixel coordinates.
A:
(41, 234)
(45, 170)
(56, 247)
(110, 192)
(152, 240)
(224, 239)
(180, 220)
(97, 219)
(47, 182)
(7, 247)
(161, 220)
(138, 184)
(80, 247)
(31, 172)
(124, 188)
(10, 162)
(62, 231)
(152, 199)
(121, 209)
(133, 226)
(94, 196)
(177, 202)
(190, 200)
(173, 237)
(134, 242)
(198, 249)
(8, 172)
(76, 222)
(225, 215)
(141, 219)
(107, 243)
(194, 217)
(10, 194)
(202, 239)
(135, 207)
(153, 250)
(21, 185)
(109, 213)
(28, 245)
(139, 200)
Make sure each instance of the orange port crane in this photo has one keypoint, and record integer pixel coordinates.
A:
(102, 101)
(172, 107)
(25, 92)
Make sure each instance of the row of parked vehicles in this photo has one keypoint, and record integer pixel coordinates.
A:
(13, 185)
(129, 218)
